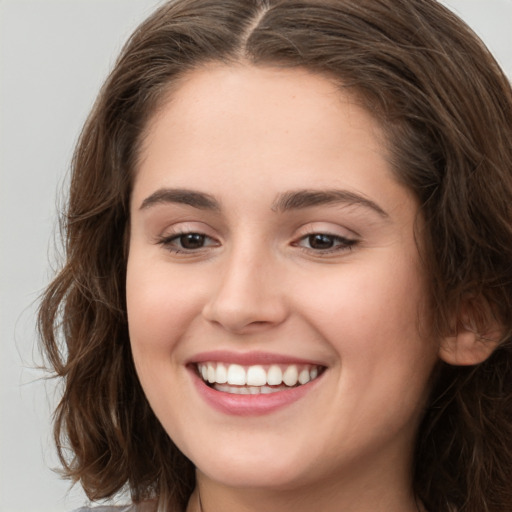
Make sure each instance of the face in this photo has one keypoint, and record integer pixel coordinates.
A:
(274, 289)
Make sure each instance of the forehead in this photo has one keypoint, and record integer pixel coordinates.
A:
(239, 119)
(248, 136)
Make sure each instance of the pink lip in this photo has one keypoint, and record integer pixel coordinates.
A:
(248, 405)
(248, 358)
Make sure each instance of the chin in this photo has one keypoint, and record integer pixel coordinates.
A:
(268, 478)
(260, 471)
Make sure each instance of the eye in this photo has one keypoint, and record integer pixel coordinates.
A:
(187, 242)
(325, 243)
(191, 241)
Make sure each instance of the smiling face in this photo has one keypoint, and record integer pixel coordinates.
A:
(271, 246)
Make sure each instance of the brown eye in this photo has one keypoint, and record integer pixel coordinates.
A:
(325, 243)
(183, 243)
(320, 241)
(191, 241)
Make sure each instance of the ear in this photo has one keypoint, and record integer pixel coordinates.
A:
(474, 339)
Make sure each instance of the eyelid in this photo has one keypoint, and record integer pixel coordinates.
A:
(173, 232)
(183, 227)
(168, 243)
(328, 228)
(344, 242)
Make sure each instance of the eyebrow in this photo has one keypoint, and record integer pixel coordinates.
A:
(288, 201)
(300, 199)
(192, 198)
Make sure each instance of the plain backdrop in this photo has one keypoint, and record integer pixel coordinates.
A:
(54, 55)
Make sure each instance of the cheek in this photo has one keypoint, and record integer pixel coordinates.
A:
(372, 315)
(160, 307)
(371, 319)
(161, 304)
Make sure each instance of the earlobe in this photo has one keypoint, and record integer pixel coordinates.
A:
(467, 347)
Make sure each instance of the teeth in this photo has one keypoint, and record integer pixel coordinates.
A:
(291, 375)
(248, 390)
(236, 375)
(274, 376)
(221, 375)
(256, 376)
(256, 379)
(304, 377)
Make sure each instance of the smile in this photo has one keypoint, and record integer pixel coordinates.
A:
(256, 379)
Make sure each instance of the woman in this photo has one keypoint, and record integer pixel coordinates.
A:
(288, 279)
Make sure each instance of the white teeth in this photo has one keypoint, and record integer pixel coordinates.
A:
(244, 390)
(221, 374)
(236, 375)
(304, 376)
(274, 376)
(256, 378)
(291, 375)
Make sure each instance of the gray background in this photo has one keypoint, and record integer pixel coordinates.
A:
(54, 55)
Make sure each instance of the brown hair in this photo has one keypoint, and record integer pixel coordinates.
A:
(447, 110)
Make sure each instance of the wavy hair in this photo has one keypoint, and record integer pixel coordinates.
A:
(446, 108)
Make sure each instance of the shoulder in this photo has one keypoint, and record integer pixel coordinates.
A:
(143, 507)
(126, 508)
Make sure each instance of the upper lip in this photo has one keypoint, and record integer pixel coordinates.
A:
(249, 358)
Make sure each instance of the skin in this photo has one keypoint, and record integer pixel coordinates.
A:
(245, 136)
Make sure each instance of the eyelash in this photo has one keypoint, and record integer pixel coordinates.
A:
(167, 242)
(340, 243)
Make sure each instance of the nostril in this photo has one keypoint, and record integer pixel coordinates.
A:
(245, 318)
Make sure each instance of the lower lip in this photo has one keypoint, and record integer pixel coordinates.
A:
(251, 405)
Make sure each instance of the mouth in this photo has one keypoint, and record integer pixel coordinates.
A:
(256, 379)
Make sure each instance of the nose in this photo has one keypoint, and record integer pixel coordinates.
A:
(248, 295)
